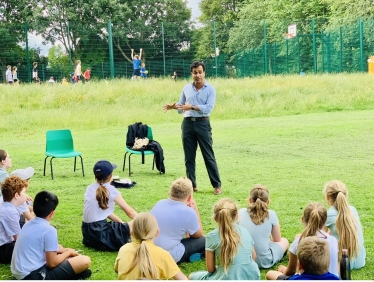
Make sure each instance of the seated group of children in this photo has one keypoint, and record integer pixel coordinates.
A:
(153, 244)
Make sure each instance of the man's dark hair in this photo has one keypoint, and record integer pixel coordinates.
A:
(196, 64)
(44, 203)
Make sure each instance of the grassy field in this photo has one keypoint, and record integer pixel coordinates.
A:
(289, 133)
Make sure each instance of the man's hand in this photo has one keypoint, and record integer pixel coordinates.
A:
(185, 107)
(168, 107)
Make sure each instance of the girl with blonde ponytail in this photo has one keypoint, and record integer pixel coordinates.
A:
(99, 202)
(344, 223)
(314, 219)
(230, 244)
(141, 258)
(262, 224)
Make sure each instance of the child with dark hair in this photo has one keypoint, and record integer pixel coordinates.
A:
(14, 195)
(99, 202)
(37, 254)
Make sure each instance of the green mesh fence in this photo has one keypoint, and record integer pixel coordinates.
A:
(319, 47)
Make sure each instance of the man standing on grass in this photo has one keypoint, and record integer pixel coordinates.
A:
(196, 103)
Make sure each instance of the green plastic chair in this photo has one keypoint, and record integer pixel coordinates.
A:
(60, 144)
(139, 153)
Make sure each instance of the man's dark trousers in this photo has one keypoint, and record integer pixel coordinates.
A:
(194, 133)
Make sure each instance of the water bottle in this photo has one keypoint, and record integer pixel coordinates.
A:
(345, 266)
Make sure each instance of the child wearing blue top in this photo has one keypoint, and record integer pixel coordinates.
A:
(231, 245)
(262, 224)
(344, 223)
(37, 254)
(313, 260)
(5, 164)
(143, 71)
(136, 60)
(14, 195)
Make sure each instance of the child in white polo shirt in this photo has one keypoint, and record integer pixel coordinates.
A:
(14, 195)
(37, 254)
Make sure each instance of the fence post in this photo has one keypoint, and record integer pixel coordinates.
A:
(314, 49)
(110, 40)
(341, 48)
(27, 52)
(265, 51)
(215, 44)
(298, 51)
(163, 46)
(70, 60)
(288, 70)
(361, 27)
(43, 74)
(275, 58)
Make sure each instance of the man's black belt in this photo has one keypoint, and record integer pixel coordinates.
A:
(196, 118)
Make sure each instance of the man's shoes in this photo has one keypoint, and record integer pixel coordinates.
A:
(217, 191)
(195, 189)
(195, 257)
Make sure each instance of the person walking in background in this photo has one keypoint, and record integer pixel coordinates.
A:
(35, 76)
(8, 75)
(87, 75)
(263, 224)
(78, 71)
(15, 76)
(196, 103)
(143, 72)
(344, 223)
(174, 76)
(141, 258)
(136, 60)
(231, 245)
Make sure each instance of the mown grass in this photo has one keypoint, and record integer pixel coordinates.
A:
(289, 133)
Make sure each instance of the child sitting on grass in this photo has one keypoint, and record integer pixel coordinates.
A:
(232, 245)
(25, 209)
(14, 195)
(313, 260)
(5, 164)
(37, 254)
(99, 202)
(262, 224)
(141, 258)
(344, 223)
(314, 219)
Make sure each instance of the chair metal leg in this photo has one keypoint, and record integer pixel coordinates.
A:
(75, 163)
(51, 166)
(45, 162)
(82, 165)
(153, 163)
(130, 164)
(124, 161)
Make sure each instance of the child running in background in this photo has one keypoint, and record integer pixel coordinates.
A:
(314, 219)
(14, 195)
(262, 224)
(344, 223)
(37, 254)
(313, 260)
(99, 201)
(232, 245)
(141, 258)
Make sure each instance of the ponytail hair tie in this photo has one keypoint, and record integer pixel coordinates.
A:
(144, 240)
